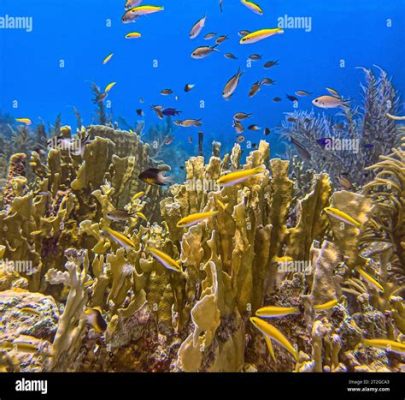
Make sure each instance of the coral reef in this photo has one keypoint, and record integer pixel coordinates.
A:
(345, 144)
(153, 295)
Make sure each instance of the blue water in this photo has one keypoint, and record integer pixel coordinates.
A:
(76, 31)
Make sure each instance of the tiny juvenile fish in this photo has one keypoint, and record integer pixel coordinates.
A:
(164, 259)
(197, 28)
(329, 102)
(210, 36)
(195, 219)
(277, 99)
(255, 89)
(95, 319)
(221, 39)
(119, 238)
(273, 333)
(25, 121)
(255, 57)
(119, 215)
(154, 176)
(240, 116)
(271, 63)
(243, 32)
(166, 92)
(240, 139)
(333, 92)
(259, 35)
(302, 93)
(109, 87)
(237, 177)
(230, 56)
(275, 312)
(231, 85)
(133, 35)
(267, 131)
(252, 7)
(158, 110)
(370, 279)
(132, 3)
(326, 306)
(189, 87)
(267, 82)
(301, 149)
(386, 344)
(187, 123)
(203, 51)
(254, 127)
(291, 98)
(238, 127)
(342, 216)
(108, 58)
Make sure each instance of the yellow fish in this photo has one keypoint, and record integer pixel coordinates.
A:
(326, 306)
(273, 333)
(135, 12)
(342, 216)
(108, 58)
(109, 87)
(195, 219)
(370, 279)
(239, 176)
(270, 347)
(133, 35)
(119, 238)
(164, 259)
(252, 7)
(275, 312)
(25, 121)
(386, 344)
(137, 196)
(261, 34)
(95, 319)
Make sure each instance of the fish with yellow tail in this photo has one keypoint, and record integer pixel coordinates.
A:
(119, 238)
(259, 35)
(386, 344)
(274, 334)
(195, 219)
(95, 319)
(276, 312)
(326, 306)
(164, 259)
(25, 121)
(108, 58)
(370, 279)
(342, 216)
(237, 177)
(252, 7)
(132, 14)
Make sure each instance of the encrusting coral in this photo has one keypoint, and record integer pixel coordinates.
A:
(113, 304)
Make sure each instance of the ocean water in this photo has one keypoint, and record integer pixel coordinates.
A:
(48, 68)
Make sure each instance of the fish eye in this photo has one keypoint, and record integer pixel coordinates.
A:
(316, 100)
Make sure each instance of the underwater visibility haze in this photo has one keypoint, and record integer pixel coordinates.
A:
(202, 186)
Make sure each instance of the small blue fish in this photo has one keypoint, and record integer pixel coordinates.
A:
(323, 142)
(170, 112)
